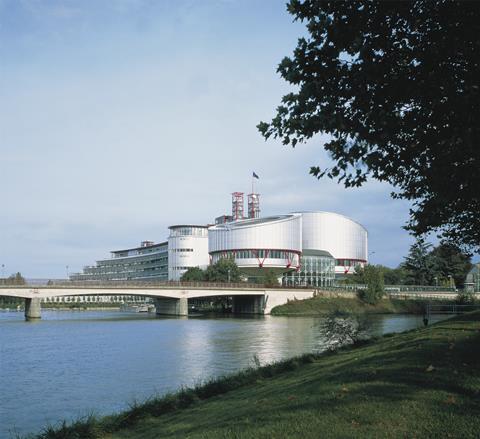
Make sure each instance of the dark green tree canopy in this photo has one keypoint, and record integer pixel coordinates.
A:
(193, 274)
(396, 85)
(224, 270)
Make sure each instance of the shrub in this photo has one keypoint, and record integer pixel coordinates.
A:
(465, 298)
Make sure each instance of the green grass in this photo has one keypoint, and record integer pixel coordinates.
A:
(325, 305)
(423, 383)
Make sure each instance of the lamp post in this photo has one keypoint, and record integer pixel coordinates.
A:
(229, 275)
(450, 280)
(66, 269)
(3, 271)
(436, 281)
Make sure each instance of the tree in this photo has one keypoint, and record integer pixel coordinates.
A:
(418, 264)
(373, 277)
(393, 276)
(193, 274)
(269, 279)
(224, 270)
(395, 86)
(449, 261)
(427, 266)
(15, 279)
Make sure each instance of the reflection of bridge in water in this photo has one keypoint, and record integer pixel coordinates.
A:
(170, 298)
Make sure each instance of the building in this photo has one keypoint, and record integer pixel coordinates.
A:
(149, 261)
(304, 248)
(472, 282)
(255, 244)
(187, 247)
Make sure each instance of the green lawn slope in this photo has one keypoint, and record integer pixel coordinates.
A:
(424, 384)
(324, 305)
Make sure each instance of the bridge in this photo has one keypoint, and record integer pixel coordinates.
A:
(170, 298)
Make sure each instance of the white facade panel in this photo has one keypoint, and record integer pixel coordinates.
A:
(279, 233)
(342, 237)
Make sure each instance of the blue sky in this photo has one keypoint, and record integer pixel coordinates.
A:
(121, 117)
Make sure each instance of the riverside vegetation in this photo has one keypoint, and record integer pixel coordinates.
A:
(421, 383)
(325, 305)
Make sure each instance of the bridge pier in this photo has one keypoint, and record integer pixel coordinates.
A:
(171, 307)
(248, 305)
(33, 309)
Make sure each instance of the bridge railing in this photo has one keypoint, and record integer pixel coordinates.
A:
(136, 284)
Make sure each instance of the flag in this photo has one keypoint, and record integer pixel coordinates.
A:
(255, 176)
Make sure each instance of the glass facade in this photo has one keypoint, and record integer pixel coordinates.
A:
(317, 269)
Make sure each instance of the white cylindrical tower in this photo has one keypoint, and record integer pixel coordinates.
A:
(187, 247)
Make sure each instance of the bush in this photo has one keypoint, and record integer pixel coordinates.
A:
(342, 328)
(270, 279)
(465, 298)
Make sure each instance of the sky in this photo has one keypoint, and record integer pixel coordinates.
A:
(119, 118)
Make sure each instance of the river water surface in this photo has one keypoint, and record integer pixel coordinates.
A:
(71, 364)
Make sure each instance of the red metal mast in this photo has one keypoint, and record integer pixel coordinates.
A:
(253, 205)
(237, 205)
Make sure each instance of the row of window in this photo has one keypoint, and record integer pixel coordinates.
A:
(347, 262)
(188, 231)
(258, 254)
(143, 251)
(181, 250)
(180, 268)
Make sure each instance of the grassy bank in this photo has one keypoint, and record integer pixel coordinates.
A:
(423, 383)
(325, 305)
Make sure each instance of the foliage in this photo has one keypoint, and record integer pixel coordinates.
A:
(269, 278)
(448, 260)
(393, 276)
(224, 270)
(427, 266)
(373, 278)
(465, 298)
(341, 328)
(321, 306)
(193, 274)
(395, 86)
(418, 264)
(14, 279)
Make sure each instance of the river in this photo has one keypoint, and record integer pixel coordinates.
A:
(72, 363)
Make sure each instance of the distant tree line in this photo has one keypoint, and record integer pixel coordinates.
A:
(14, 279)
(444, 265)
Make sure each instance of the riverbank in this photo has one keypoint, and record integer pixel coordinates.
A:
(423, 383)
(318, 306)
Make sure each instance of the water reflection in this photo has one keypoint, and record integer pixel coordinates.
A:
(71, 363)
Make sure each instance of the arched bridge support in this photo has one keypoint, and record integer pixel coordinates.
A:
(171, 307)
(248, 304)
(33, 309)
